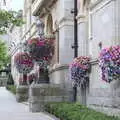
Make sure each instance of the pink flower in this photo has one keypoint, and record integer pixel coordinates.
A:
(40, 43)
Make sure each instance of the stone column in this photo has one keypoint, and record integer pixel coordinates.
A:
(59, 74)
(82, 51)
(22, 90)
(83, 35)
(66, 32)
(65, 42)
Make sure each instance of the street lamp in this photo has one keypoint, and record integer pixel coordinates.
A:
(40, 31)
(40, 27)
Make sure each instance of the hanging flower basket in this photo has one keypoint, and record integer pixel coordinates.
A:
(109, 61)
(41, 50)
(23, 63)
(79, 70)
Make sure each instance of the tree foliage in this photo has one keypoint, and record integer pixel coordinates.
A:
(8, 18)
(4, 57)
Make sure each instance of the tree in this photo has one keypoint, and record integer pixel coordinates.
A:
(4, 57)
(8, 18)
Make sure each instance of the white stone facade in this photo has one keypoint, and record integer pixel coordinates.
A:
(99, 24)
(15, 34)
(5, 4)
(98, 21)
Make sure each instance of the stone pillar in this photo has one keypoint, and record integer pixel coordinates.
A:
(66, 33)
(83, 35)
(60, 72)
(22, 93)
(22, 90)
(82, 51)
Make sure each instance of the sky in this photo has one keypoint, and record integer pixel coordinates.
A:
(17, 4)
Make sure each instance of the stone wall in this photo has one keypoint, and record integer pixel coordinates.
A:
(101, 27)
(63, 22)
(98, 23)
(41, 94)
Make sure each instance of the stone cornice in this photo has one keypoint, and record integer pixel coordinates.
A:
(59, 67)
(39, 7)
(102, 3)
(65, 22)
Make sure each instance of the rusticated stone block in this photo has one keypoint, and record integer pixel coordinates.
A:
(22, 93)
(41, 94)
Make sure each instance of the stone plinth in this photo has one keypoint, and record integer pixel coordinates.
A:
(22, 93)
(40, 94)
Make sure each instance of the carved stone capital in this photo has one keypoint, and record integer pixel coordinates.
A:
(81, 18)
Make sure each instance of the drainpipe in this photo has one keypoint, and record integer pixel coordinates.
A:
(75, 44)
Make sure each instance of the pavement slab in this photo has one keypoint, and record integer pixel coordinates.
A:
(11, 110)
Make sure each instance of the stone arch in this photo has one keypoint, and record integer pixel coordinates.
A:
(49, 25)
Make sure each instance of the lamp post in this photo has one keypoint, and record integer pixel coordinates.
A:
(40, 30)
(40, 27)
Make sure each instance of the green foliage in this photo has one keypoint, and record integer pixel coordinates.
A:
(11, 88)
(8, 18)
(4, 58)
(75, 111)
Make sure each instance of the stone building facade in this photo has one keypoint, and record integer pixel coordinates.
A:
(98, 22)
(6, 5)
(15, 34)
(14, 46)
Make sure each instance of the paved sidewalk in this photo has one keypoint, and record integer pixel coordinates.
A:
(11, 110)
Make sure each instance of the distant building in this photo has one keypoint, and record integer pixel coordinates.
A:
(15, 34)
(5, 4)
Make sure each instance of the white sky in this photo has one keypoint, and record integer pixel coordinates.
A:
(17, 5)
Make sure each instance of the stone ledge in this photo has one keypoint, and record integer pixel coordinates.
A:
(112, 102)
(58, 67)
(94, 61)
